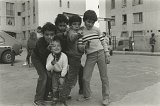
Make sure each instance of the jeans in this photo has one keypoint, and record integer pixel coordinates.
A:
(56, 86)
(93, 58)
(44, 81)
(71, 78)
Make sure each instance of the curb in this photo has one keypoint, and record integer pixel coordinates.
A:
(136, 53)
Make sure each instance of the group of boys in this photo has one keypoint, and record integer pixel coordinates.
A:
(57, 58)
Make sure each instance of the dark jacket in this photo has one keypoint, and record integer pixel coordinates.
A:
(41, 51)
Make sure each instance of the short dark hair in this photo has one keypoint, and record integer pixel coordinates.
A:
(152, 34)
(91, 15)
(61, 18)
(74, 18)
(39, 27)
(49, 26)
(57, 39)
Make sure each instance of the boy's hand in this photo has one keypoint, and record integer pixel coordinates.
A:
(53, 62)
(87, 44)
(61, 80)
(107, 57)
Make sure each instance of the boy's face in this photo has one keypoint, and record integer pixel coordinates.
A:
(62, 26)
(56, 48)
(75, 26)
(48, 35)
(89, 24)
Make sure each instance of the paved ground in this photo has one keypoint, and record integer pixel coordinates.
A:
(134, 81)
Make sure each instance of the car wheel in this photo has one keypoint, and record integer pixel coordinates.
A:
(7, 57)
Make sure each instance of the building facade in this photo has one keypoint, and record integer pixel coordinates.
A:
(49, 9)
(19, 18)
(133, 18)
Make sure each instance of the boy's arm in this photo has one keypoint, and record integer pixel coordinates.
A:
(49, 65)
(81, 45)
(65, 66)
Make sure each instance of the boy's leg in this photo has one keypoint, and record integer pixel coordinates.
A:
(87, 73)
(42, 80)
(70, 81)
(103, 74)
(55, 79)
(80, 80)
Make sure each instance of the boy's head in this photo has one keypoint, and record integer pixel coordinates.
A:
(39, 29)
(89, 18)
(61, 22)
(75, 22)
(49, 31)
(55, 45)
(152, 34)
(33, 35)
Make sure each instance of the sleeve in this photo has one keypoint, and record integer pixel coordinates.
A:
(102, 39)
(49, 66)
(72, 36)
(65, 65)
(81, 45)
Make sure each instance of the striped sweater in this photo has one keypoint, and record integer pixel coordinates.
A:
(95, 38)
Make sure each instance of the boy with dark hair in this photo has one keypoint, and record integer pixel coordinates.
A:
(74, 55)
(38, 58)
(97, 52)
(61, 23)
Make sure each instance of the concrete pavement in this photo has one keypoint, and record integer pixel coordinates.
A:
(134, 81)
(150, 96)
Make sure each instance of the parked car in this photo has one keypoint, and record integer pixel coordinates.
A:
(9, 47)
(123, 45)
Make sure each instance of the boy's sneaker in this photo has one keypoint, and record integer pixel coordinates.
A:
(25, 63)
(80, 91)
(82, 98)
(69, 97)
(64, 103)
(38, 103)
(105, 102)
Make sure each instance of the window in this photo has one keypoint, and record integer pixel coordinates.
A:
(112, 4)
(68, 4)
(124, 3)
(23, 7)
(137, 33)
(124, 34)
(9, 9)
(28, 2)
(19, 13)
(1, 40)
(34, 18)
(28, 20)
(24, 35)
(113, 21)
(10, 21)
(137, 2)
(33, 6)
(23, 21)
(124, 19)
(60, 3)
(138, 17)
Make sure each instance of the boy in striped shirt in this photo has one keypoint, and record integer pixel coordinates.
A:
(97, 52)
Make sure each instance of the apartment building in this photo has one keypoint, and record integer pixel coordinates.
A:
(48, 9)
(133, 18)
(18, 18)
